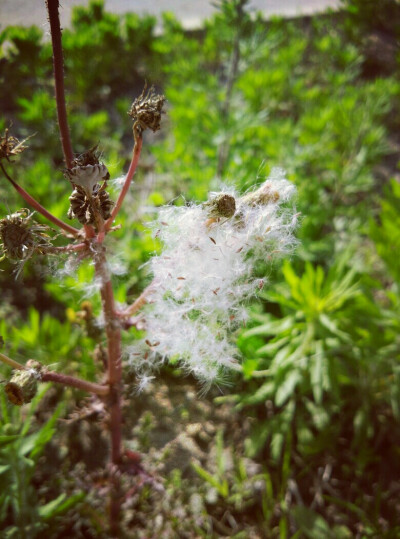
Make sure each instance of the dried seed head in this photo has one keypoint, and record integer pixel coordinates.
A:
(263, 196)
(89, 157)
(83, 208)
(10, 146)
(88, 197)
(221, 205)
(22, 387)
(21, 237)
(146, 110)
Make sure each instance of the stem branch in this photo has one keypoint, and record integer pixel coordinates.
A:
(50, 376)
(71, 381)
(58, 68)
(137, 148)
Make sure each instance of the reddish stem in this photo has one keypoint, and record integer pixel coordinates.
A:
(58, 67)
(38, 207)
(49, 376)
(132, 168)
(71, 381)
(113, 332)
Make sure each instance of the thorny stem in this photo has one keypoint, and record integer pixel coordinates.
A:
(137, 148)
(50, 376)
(58, 67)
(113, 332)
(38, 207)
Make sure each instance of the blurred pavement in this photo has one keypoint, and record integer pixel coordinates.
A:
(190, 12)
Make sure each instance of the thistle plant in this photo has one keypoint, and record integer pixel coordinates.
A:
(201, 280)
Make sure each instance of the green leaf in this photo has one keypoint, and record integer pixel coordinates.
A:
(287, 387)
(311, 523)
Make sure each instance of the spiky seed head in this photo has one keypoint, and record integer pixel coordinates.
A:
(146, 110)
(21, 236)
(89, 178)
(220, 205)
(89, 157)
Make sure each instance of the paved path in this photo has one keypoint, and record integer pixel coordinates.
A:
(190, 12)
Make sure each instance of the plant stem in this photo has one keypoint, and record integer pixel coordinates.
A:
(137, 148)
(38, 207)
(50, 376)
(71, 381)
(58, 68)
(113, 332)
(11, 362)
(138, 303)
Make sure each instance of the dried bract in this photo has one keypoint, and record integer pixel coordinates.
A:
(146, 110)
(10, 146)
(21, 237)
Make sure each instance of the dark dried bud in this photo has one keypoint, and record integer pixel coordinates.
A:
(23, 386)
(221, 205)
(146, 110)
(21, 236)
(83, 208)
(10, 146)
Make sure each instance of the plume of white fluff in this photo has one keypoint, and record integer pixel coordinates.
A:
(205, 274)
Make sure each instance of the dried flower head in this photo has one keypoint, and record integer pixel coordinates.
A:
(146, 110)
(220, 205)
(10, 146)
(21, 237)
(89, 178)
(22, 386)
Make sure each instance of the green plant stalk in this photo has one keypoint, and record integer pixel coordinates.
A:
(58, 67)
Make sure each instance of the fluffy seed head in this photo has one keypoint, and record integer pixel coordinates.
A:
(205, 275)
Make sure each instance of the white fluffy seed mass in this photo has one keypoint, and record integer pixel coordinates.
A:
(205, 275)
